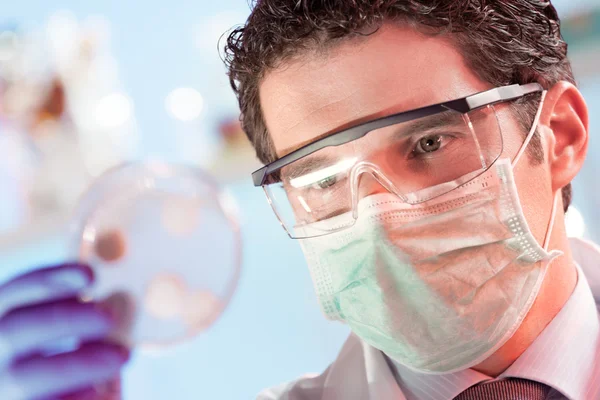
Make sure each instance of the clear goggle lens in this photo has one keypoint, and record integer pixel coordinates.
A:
(417, 160)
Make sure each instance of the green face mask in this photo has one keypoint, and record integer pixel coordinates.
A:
(438, 288)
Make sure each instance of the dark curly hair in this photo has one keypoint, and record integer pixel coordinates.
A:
(503, 41)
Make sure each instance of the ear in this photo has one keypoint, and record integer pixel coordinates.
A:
(564, 122)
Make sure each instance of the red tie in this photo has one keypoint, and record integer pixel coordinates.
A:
(507, 389)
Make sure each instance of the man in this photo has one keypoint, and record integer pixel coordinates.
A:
(421, 153)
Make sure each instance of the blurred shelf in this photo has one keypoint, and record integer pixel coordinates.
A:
(34, 231)
(235, 164)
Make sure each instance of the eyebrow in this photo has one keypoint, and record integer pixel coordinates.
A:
(317, 175)
(306, 165)
(312, 162)
(441, 120)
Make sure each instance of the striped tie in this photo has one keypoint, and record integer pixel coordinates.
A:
(507, 389)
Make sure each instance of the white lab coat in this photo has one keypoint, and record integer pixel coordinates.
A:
(362, 372)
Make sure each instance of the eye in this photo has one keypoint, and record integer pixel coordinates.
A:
(429, 144)
(326, 183)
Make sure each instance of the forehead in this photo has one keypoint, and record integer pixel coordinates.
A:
(393, 70)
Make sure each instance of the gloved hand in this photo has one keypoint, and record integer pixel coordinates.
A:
(41, 308)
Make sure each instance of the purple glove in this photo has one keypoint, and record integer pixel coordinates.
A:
(41, 308)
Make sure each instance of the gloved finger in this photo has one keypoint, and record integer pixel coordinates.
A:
(26, 330)
(89, 393)
(44, 285)
(43, 377)
(105, 391)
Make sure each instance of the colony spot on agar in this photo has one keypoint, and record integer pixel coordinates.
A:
(111, 245)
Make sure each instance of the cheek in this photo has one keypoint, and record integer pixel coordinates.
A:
(535, 194)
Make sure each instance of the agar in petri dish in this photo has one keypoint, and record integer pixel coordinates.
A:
(200, 308)
(165, 296)
(164, 244)
(180, 217)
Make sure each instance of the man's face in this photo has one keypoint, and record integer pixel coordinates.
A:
(394, 70)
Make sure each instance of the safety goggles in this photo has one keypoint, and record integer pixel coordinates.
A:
(417, 155)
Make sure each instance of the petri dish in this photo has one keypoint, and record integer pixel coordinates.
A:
(165, 245)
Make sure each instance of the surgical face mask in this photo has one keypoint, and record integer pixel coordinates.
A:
(439, 286)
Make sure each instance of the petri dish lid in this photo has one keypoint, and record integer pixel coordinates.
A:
(165, 245)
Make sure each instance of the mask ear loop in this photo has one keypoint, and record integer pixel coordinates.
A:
(551, 222)
(534, 127)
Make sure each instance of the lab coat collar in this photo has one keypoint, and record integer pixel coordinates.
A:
(360, 372)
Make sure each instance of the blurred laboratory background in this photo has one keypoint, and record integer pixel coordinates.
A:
(87, 85)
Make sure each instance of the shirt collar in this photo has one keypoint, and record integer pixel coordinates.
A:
(564, 356)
